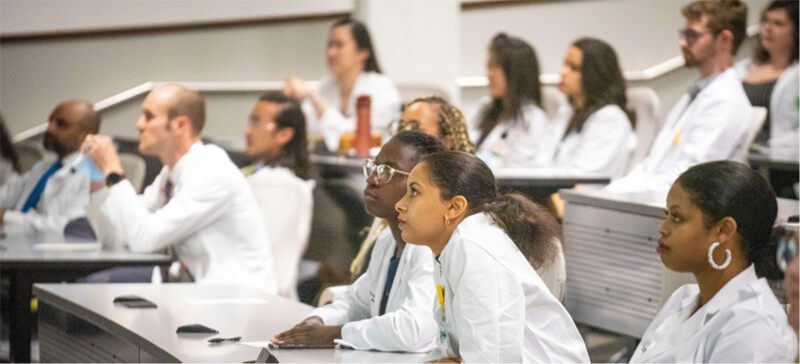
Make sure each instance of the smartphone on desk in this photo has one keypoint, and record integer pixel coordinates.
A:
(273, 345)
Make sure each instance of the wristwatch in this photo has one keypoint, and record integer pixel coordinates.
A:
(113, 178)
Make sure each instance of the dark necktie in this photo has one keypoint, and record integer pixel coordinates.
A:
(36, 194)
(387, 289)
(168, 191)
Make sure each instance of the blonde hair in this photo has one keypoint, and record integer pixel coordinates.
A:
(451, 122)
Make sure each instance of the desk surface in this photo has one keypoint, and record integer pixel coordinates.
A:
(27, 257)
(532, 177)
(650, 204)
(18, 247)
(775, 157)
(233, 310)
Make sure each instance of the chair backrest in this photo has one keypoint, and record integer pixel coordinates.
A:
(552, 100)
(134, 168)
(412, 90)
(759, 117)
(672, 280)
(287, 204)
(644, 103)
(554, 275)
(28, 155)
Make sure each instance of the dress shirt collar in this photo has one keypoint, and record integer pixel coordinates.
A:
(68, 161)
(174, 174)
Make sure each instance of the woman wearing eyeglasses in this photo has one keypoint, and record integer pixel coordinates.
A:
(718, 221)
(389, 307)
(492, 306)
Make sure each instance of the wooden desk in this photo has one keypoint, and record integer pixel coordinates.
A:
(79, 322)
(615, 278)
(27, 257)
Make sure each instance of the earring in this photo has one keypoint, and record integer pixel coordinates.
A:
(446, 221)
(711, 257)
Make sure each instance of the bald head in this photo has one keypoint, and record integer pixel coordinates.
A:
(68, 124)
(182, 101)
(83, 112)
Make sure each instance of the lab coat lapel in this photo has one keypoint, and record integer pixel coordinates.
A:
(383, 265)
(675, 121)
(59, 180)
(727, 296)
(686, 329)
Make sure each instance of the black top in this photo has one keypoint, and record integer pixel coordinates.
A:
(760, 95)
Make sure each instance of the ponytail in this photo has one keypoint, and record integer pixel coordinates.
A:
(532, 228)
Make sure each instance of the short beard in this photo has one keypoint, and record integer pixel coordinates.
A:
(52, 144)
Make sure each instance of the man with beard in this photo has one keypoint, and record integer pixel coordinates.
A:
(50, 195)
(710, 121)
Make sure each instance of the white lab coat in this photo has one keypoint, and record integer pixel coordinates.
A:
(783, 104)
(522, 139)
(65, 197)
(743, 322)
(385, 108)
(408, 322)
(603, 146)
(713, 127)
(212, 220)
(496, 308)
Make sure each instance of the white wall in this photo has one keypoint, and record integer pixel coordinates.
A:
(30, 17)
(36, 75)
(418, 40)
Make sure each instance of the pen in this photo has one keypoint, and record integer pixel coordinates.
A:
(221, 339)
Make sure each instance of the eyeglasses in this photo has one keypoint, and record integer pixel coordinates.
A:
(787, 246)
(385, 173)
(691, 35)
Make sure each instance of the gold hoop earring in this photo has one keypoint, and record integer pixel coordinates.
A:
(446, 221)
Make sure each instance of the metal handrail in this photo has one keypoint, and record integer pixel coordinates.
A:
(650, 73)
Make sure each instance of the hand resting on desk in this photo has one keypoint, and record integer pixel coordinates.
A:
(311, 331)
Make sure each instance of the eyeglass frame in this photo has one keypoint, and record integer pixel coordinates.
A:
(375, 168)
(692, 36)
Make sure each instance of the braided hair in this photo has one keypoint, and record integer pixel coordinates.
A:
(451, 122)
